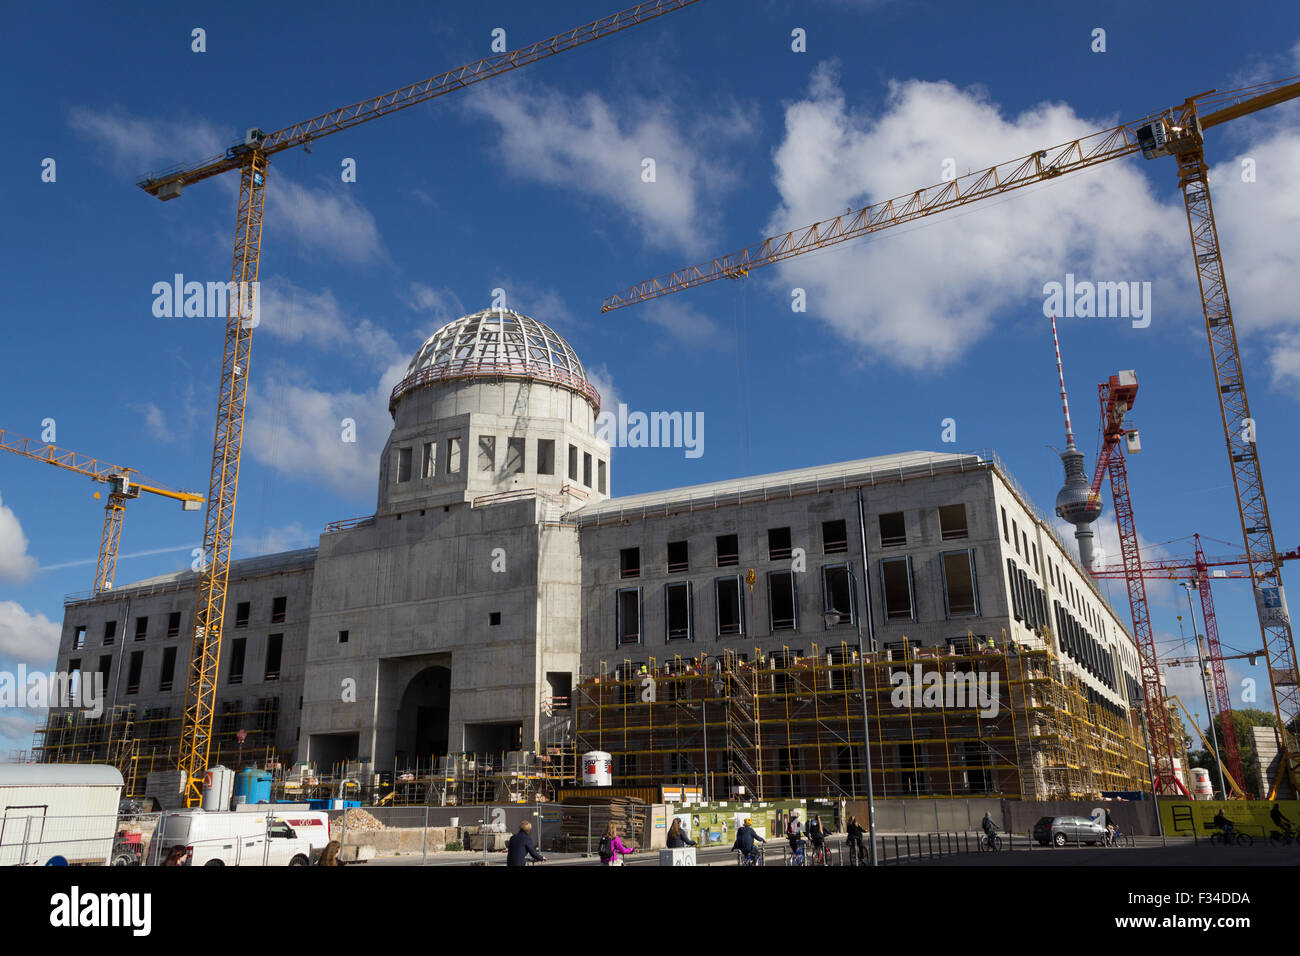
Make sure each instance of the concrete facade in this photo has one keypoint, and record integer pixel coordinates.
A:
(496, 569)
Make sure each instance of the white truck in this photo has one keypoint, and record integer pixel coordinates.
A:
(231, 839)
(58, 813)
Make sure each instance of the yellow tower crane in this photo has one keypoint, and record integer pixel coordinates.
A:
(251, 158)
(1179, 132)
(124, 484)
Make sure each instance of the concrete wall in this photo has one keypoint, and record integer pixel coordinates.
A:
(930, 816)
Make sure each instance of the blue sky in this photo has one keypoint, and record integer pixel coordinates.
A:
(532, 183)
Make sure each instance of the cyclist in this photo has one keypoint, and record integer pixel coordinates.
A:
(855, 833)
(816, 833)
(521, 846)
(1280, 821)
(1224, 824)
(1112, 831)
(989, 827)
(745, 837)
(794, 833)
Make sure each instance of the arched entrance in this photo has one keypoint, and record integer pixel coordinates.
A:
(422, 718)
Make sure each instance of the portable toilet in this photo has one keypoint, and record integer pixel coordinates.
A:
(218, 784)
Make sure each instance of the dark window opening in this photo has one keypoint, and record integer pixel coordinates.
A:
(344, 637)
(629, 563)
(778, 544)
(837, 593)
(1006, 535)
(236, 673)
(677, 612)
(629, 616)
(274, 645)
(893, 529)
(783, 603)
(835, 536)
(546, 456)
(110, 632)
(277, 610)
(730, 617)
(403, 464)
(494, 618)
(573, 462)
(514, 456)
(174, 624)
(959, 583)
(168, 672)
(79, 637)
(560, 684)
(600, 477)
(134, 667)
(678, 556)
(241, 614)
(141, 628)
(896, 582)
(952, 522)
(586, 469)
(728, 550)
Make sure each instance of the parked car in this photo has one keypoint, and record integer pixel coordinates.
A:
(1067, 831)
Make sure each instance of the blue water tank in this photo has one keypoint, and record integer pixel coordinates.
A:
(253, 786)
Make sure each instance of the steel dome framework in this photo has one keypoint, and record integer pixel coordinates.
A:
(496, 344)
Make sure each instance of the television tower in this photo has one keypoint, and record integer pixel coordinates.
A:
(1075, 501)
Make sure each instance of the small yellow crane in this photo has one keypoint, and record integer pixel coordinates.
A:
(124, 484)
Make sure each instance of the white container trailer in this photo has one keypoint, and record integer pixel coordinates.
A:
(58, 810)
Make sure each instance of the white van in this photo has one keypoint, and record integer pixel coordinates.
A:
(312, 825)
(230, 839)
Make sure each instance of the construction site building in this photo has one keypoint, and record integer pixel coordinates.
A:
(455, 621)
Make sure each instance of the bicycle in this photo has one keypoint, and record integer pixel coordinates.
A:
(1231, 838)
(1282, 838)
(990, 842)
(1118, 838)
(795, 856)
(858, 854)
(821, 855)
(754, 858)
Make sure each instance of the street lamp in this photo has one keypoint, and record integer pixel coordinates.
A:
(832, 618)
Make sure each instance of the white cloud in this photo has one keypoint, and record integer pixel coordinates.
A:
(27, 637)
(327, 219)
(442, 305)
(600, 377)
(289, 537)
(922, 296)
(685, 323)
(595, 149)
(297, 429)
(17, 728)
(136, 145)
(15, 563)
(294, 314)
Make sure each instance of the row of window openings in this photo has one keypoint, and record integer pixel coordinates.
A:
(515, 462)
(729, 607)
(960, 590)
(242, 612)
(1013, 535)
(167, 673)
(1083, 648)
(835, 540)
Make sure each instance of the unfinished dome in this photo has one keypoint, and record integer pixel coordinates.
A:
(496, 344)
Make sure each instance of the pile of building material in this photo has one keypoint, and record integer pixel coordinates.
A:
(358, 819)
(586, 818)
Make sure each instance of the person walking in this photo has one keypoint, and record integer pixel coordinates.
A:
(676, 838)
(330, 855)
(612, 849)
(521, 846)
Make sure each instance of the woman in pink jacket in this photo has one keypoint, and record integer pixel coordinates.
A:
(612, 849)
